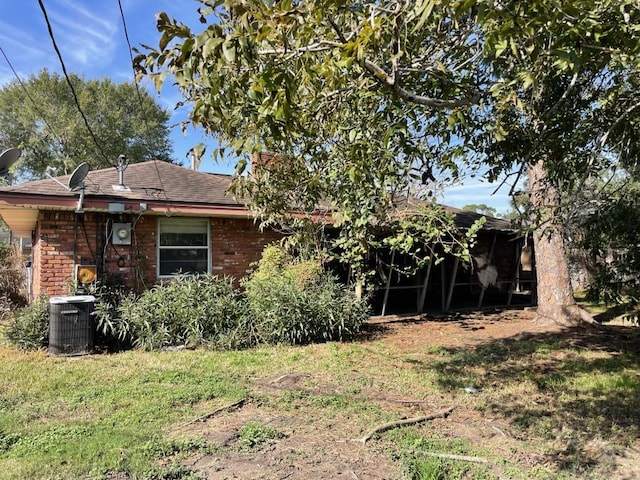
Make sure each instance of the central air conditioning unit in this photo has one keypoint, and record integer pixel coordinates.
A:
(86, 274)
(121, 234)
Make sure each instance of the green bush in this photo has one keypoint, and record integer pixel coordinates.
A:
(297, 302)
(190, 310)
(284, 301)
(12, 279)
(29, 329)
(110, 292)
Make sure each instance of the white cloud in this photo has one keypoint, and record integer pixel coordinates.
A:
(86, 36)
(22, 49)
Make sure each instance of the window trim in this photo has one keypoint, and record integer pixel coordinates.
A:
(177, 220)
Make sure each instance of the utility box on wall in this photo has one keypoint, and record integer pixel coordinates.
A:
(71, 326)
(121, 234)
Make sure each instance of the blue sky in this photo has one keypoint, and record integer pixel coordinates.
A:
(90, 36)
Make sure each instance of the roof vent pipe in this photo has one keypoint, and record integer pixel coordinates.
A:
(122, 166)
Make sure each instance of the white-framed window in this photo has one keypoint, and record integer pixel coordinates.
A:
(183, 246)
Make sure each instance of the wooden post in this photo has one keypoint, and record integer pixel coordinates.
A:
(452, 284)
(423, 293)
(516, 274)
(443, 278)
(489, 260)
(386, 290)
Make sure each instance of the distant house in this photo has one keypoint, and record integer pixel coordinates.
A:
(154, 219)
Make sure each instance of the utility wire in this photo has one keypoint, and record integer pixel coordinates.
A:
(35, 104)
(66, 76)
(142, 109)
(126, 36)
(31, 99)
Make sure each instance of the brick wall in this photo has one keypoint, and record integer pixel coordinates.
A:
(65, 239)
(236, 243)
(55, 247)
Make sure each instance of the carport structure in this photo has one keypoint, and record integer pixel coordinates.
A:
(501, 274)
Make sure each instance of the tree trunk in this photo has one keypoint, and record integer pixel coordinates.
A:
(556, 303)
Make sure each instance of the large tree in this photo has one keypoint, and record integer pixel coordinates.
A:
(565, 106)
(40, 116)
(364, 99)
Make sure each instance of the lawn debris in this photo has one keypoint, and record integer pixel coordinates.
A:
(403, 423)
(231, 406)
(451, 456)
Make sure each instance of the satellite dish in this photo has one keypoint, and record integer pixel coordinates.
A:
(8, 158)
(77, 177)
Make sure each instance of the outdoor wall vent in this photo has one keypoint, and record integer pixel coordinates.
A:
(116, 207)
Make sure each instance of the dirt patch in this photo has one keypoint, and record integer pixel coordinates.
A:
(311, 448)
(324, 446)
(459, 330)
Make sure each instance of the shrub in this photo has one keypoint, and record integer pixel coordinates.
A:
(297, 302)
(190, 311)
(110, 292)
(254, 435)
(29, 329)
(12, 279)
(284, 301)
(5, 307)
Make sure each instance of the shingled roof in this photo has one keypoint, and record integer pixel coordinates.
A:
(465, 219)
(155, 181)
(162, 186)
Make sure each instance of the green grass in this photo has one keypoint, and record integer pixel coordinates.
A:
(253, 435)
(112, 412)
(88, 416)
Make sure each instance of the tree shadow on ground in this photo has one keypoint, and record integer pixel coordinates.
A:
(568, 388)
(626, 313)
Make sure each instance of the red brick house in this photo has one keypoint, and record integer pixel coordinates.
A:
(157, 219)
(144, 226)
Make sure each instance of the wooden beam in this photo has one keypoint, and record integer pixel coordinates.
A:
(452, 284)
(386, 290)
(423, 293)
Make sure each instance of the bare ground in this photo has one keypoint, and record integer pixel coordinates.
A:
(322, 446)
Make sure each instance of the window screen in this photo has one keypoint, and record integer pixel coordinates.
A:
(183, 246)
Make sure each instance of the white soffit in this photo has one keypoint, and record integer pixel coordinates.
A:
(21, 221)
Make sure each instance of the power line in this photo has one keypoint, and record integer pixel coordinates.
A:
(142, 110)
(35, 104)
(126, 36)
(31, 99)
(66, 76)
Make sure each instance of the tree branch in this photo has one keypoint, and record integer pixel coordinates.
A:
(387, 80)
(382, 77)
(401, 423)
(451, 456)
(617, 122)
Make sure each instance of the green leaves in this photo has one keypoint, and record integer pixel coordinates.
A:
(229, 50)
(360, 98)
(422, 12)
